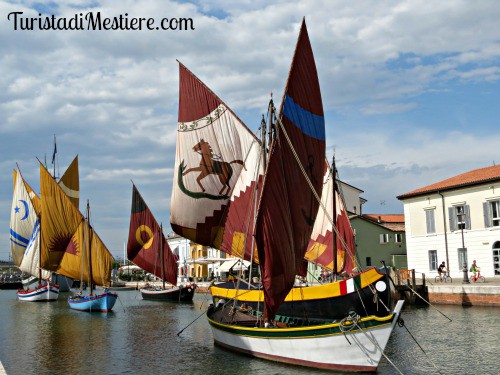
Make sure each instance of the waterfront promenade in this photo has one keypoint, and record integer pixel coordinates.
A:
(458, 293)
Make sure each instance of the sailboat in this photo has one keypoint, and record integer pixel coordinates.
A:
(329, 244)
(288, 206)
(148, 249)
(25, 242)
(70, 247)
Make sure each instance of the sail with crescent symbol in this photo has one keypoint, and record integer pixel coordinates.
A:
(288, 205)
(321, 249)
(25, 228)
(65, 232)
(218, 169)
(145, 241)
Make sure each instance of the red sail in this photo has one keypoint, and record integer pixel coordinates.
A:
(288, 205)
(217, 168)
(145, 239)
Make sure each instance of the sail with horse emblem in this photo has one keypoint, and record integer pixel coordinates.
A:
(218, 169)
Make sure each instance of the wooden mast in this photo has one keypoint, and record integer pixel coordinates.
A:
(334, 232)
(162, 256)
(89, 248)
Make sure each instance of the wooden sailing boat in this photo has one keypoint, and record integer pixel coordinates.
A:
(330, 300)
(288, 206)
(25, 242)
(148, 249)
(70, 247)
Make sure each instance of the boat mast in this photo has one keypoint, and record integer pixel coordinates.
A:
(89, 248)
(334, 233)
(162, 256)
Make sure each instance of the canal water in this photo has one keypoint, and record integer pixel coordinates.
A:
(147, 337)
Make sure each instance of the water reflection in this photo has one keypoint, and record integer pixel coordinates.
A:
(141, 337)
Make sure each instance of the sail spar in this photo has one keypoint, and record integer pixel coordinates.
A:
(218, 169)
(288, 205)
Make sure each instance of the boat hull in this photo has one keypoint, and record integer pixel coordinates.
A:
(182, 294)
(97, 303)
(325, 346)
(329, 301)
(42, 293)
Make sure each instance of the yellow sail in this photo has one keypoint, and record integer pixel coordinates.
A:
(75, 261)
(67, 237)
(70, 182)
(59, 221)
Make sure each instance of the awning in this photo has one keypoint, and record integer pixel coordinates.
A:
(235, 264)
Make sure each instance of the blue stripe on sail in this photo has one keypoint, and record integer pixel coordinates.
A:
(310, 124)
(18, 243)
(18, 237)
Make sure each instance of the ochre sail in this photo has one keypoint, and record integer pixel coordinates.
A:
(70, 182)
(60, 220)
(288, 206)
(75, 260)
(321, 250)
(217, 168)
(145, 239)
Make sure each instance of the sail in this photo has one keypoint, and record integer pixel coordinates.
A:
(321, 249)
(75, 260)
(70, 182)
(217, 170)
(60, 220)
(25, 229)
(145, 240)
(31, 259)
(288, 205)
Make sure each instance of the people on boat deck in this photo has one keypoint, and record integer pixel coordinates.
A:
(441, 270)
(475, 269)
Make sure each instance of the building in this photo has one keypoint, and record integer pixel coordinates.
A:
(380, 238)
(456, 220)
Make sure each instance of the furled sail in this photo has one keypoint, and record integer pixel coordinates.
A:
(288, 205)
(321, 249)
(145, 240)
(217, 167)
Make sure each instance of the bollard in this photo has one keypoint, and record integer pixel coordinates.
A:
(466, 276)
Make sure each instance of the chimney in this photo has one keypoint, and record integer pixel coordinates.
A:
(378, 220)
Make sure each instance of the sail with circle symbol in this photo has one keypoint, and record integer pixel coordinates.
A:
(144, 242)
(218, 170)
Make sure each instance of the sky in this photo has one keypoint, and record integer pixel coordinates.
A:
(410, 91)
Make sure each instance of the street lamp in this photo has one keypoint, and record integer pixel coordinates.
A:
(462, 225)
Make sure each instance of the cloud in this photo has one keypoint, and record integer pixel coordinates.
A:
(111, 96)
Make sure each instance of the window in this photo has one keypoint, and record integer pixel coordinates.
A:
(384, 238)
(492, 213)
(433, 260)
(459, 217)
(368, 261)
(429, 219)
(398, 237)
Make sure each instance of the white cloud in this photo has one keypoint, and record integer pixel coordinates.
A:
(111, 96)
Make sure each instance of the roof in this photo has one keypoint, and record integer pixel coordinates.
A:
(475, 177)
(393, 222)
